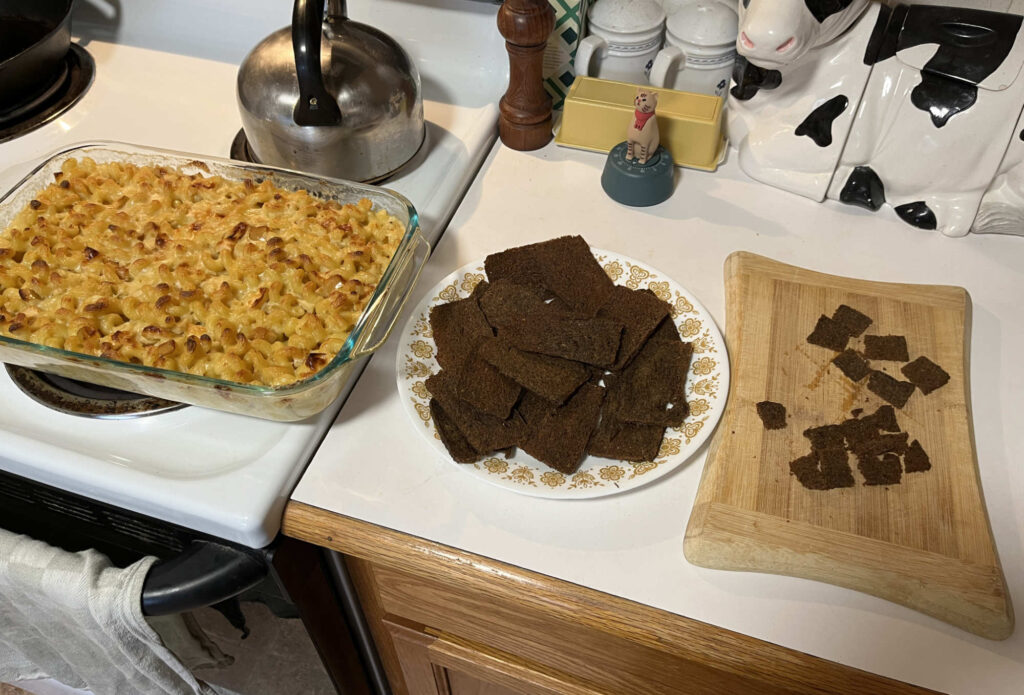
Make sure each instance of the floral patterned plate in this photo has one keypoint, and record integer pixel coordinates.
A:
(706, 387)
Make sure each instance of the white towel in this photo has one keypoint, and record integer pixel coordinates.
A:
(78, 619)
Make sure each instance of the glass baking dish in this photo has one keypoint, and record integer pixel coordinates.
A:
(285, 403)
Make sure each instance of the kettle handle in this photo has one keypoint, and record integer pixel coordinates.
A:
(316, 106)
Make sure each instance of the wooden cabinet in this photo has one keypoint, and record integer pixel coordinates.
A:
(447, 622)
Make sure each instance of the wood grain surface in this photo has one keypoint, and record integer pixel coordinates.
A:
(925, 543)
(586, 635)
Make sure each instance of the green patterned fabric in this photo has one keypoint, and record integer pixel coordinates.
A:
(561, 48)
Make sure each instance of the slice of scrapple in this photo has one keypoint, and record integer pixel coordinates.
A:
(851, 364)
(505, 300)
(916, 460)
(589, 340)
(886, 347)
(852, 321)
(484, 432)
(626, 441)
(925, 374)
(640, 312)
(667, 330)
(880, 470)
(551, 377)
(559, 437)
(454, 441)
(483, 386)
(456, 327)
(656, 379)
(829, 334)
(889, 389)
(773, 415)
(565, 266)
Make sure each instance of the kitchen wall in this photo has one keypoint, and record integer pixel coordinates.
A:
(226, 30)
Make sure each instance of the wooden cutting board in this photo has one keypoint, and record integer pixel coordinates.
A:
(926, 542)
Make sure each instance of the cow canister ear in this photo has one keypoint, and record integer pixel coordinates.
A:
(653, 96)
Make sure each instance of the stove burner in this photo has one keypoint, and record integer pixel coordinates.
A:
(86, 400)
(241, 151)
(70, 84)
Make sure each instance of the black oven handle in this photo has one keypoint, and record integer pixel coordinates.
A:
(203, 574)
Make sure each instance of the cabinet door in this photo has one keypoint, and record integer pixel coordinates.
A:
(448, 666)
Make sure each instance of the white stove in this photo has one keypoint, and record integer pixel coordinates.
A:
(165, 77)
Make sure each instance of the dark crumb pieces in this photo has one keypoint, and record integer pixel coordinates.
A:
(829, 334)
(925, 374)
(889, 389)
(773, 415)
(886, 347)
(880, 470)
(856, 412)
(852, 320)
(851, 364)
(884, 419)
(916, 459)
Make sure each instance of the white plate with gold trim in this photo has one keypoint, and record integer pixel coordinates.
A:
(707, 385)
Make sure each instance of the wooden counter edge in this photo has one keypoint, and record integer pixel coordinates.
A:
(654, 628)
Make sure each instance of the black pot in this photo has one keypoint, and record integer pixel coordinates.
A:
(35, 35)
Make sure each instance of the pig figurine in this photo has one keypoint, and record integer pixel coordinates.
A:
(642, 136)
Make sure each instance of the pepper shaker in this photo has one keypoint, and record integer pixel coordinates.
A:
(525, 120)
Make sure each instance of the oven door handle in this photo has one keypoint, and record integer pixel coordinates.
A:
(203, 574)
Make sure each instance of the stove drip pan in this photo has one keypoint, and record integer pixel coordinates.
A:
(68, 85)
(86, 400)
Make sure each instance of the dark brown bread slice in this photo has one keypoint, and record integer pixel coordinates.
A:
(852, 321)
(880, 470)
(829, 334)
(505, 300)
(884, 419)
(892, 348)
(916, 460)
(456, 327)
(835, 468)
(532, 409)
(551, 377)
(667, 330)
(483, 386)
(773, 415)
(808, 471)
(882, 444)
(655, 379)
(640, 312)
(925, 374)
(588, 340)
(889, 389)
(851, 364)
(559, 438)
(565, 266)
(457, 445)
(825, 437)
(626, 441)
(485, 433)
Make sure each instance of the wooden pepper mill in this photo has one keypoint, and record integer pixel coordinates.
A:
(525, 121)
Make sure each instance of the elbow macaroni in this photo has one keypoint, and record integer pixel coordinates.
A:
(233, 280)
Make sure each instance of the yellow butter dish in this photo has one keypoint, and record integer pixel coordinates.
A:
(597, 112)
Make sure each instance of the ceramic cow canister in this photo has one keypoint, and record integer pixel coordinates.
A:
(918, 107)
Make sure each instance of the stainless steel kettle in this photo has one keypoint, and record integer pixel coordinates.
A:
(356, 113)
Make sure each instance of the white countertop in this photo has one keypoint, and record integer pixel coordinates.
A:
(372, 465)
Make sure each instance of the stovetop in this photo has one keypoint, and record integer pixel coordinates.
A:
(221, 474)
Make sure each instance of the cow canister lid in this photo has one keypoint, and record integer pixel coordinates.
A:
(704, 23)
(626, 15)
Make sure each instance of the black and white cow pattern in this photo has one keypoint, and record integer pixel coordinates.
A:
(876, 150)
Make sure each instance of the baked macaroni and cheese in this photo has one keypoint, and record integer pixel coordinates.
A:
(234, 280)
